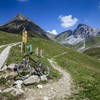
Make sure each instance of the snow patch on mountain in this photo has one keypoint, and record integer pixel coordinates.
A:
(80, 33)
(72, 40)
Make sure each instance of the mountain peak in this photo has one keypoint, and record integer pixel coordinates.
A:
(19, 14)
(82, 25)
(16, 25)
(21, 17)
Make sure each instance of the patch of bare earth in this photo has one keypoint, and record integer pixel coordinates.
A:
(57, 89)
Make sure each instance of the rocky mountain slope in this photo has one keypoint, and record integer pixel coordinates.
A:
(20, 21)
(63, 35)
(81, 33)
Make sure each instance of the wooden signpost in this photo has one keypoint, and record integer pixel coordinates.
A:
(24, 40)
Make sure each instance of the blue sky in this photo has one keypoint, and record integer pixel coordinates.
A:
(53, 15)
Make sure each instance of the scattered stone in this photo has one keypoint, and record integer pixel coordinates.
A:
(39, 86)
(19, 45)
(17, 92)
(14, 91)
(43, 78)
(8, 81)
(51, 88)
(46, 98)
(4, 67)
(31, 80)
(11, 67)
(86, 99)
(13, 74)
(8, 90)
(18, 84)
(0, 91)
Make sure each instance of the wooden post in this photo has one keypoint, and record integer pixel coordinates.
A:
(21, 47)
(41, 53)
(37, 51)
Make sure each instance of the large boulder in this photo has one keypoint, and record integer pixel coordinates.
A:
(31, 80)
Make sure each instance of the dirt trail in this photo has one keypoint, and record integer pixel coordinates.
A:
(59, 55)
(58, 89)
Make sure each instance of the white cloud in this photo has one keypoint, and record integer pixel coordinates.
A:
(54, 32)
(67, 21)
(22, 0)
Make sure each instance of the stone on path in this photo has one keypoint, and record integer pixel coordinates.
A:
(46, 98)
(13, 91)
(39, 86)
(18, 84)
(11, 67)
(17, 92)
(43, 78)
(31, 80)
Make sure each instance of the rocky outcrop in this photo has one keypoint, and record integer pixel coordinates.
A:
(79, 34)
(63, 35)
(85, 31)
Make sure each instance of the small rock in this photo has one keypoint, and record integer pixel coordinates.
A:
(17, 92)
(4, 67)
(31, 80)
(46, 98)
(12, 73)
(43, 78)
(8, 90)
(14, 91)
(39, 86)
(11, 67)
(18, 82)
(8, 81)
(86, 99)
(18, 86)
(51, 88)
(20, 46)
(0, 91)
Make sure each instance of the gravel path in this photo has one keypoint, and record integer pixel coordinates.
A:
(5, 52)
(58, 89)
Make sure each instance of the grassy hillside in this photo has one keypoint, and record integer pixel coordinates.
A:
(85, 71)
(93, 52)
(7, 38)
(15, 55)
(92, 41)
(86, 74)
